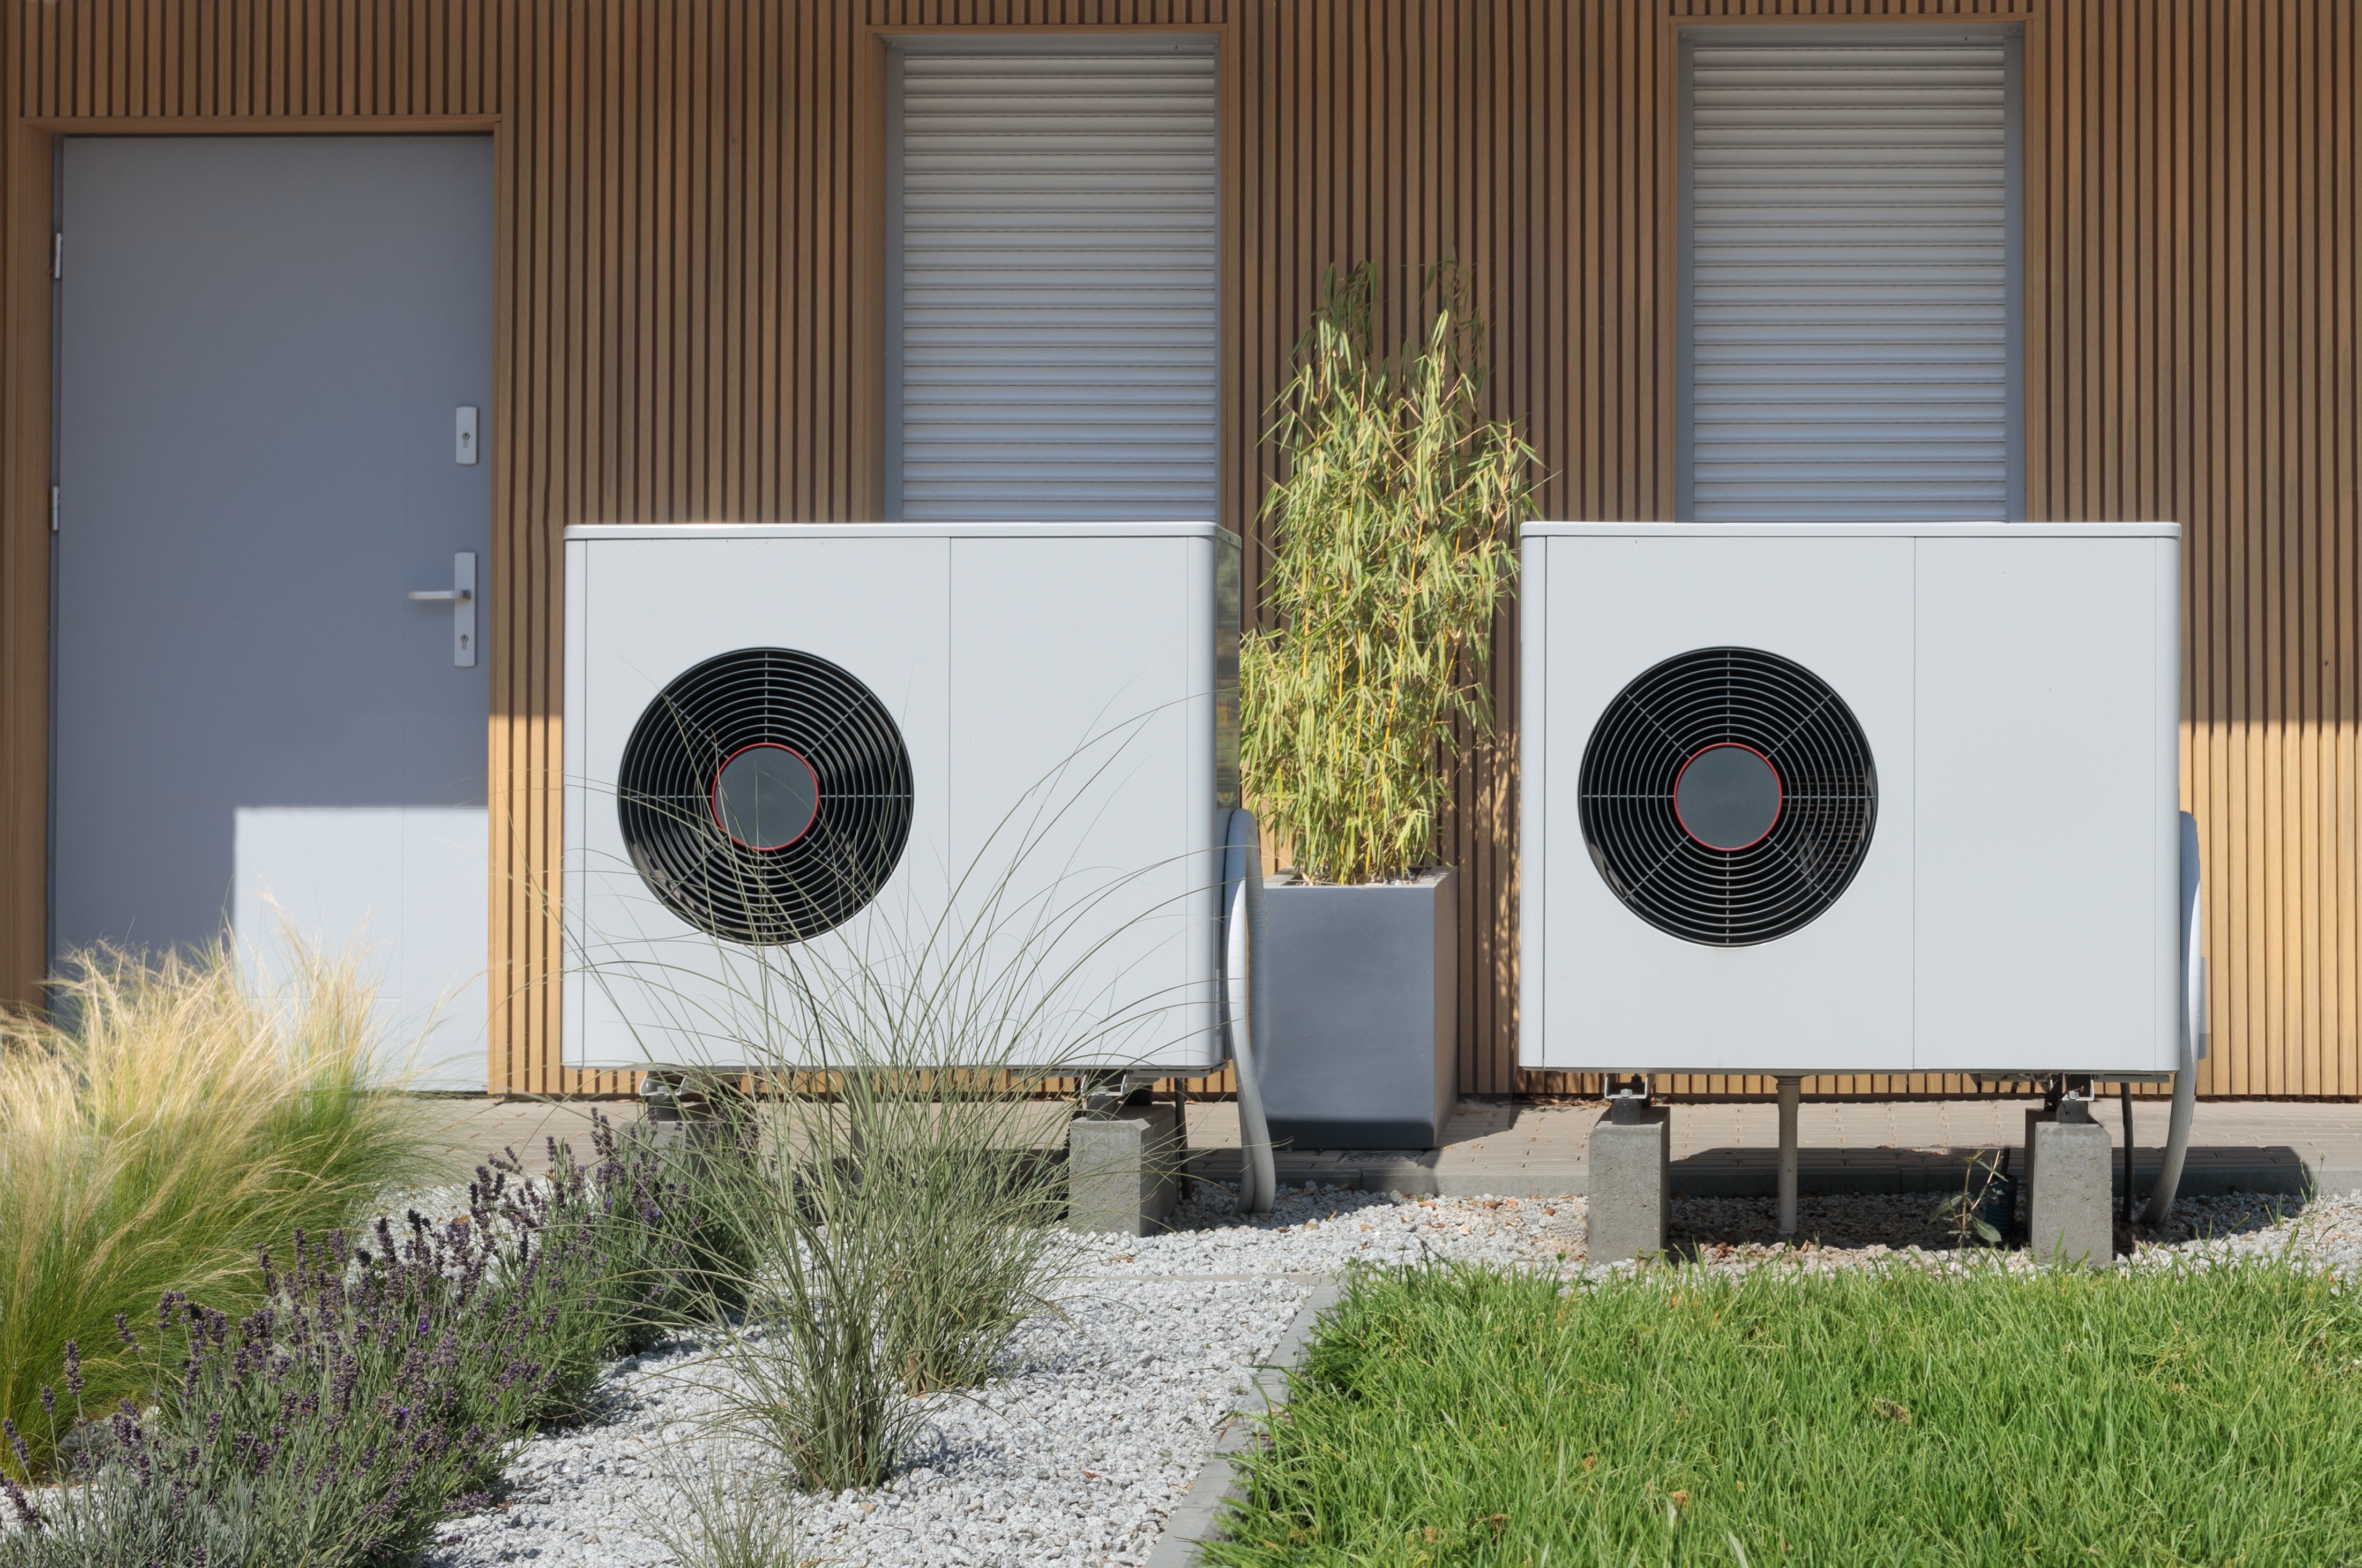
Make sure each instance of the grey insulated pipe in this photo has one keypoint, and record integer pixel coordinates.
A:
(1242, 1003)
(2193, 1028)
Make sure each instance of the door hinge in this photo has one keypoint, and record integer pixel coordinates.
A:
(53, 508)
(57, 255)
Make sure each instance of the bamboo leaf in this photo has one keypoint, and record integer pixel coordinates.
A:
(1396, 538)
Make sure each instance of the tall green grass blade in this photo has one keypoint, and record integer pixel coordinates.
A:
(1908, 1417)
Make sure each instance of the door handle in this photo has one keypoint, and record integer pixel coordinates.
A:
(461, 597)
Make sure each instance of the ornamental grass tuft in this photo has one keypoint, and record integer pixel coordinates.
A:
(903, 1225)
(891, 1120)
(172, 1121)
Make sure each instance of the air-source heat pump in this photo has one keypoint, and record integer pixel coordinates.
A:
(926, 759)
(1852, 797)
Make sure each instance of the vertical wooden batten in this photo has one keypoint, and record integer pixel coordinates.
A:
(27, 166)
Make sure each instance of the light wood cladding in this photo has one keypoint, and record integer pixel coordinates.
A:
(688, 294)
(1526, 142)
(212, 58)
(2191, 195)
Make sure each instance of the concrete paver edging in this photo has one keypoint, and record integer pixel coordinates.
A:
(1194, 1519)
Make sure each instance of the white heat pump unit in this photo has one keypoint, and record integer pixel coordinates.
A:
(975, 767)
(1852, 797)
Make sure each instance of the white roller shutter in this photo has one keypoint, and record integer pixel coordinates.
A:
(1851, 274)
(1054, 328)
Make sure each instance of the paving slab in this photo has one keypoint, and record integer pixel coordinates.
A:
(468, 1130)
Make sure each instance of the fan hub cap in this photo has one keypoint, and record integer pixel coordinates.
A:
(766, 796)
(1727, 796)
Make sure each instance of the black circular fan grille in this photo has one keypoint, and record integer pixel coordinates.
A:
(795, 891)
(1827, 800)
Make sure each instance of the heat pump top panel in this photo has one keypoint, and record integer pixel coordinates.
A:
(1850, 797)
(819, 775)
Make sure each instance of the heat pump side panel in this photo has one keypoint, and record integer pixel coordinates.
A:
(1082, 778)
(1619, 994)
(1534, 800)
(652, 988)
(2047, 789)
(573, 886)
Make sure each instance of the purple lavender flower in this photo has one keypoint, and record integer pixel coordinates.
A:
(22, 1506)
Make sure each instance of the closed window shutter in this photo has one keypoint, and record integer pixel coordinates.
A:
(1850, 267)
(1058, 285)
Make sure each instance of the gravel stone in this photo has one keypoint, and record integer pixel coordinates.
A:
(1102, 1417)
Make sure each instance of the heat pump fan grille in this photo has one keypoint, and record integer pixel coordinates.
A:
(1728, 796)
(766, 795)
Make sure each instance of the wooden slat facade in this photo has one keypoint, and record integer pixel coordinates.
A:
(687, 328)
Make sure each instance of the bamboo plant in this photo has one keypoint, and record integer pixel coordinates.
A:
(1394, 540)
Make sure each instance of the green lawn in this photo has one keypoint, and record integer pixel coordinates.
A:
(1449, 1417)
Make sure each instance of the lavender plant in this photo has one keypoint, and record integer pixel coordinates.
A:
(643, 1251)
(333, 1425)
(377, 1387)
(164, 1120)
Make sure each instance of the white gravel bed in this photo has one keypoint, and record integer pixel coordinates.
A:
(1319, 1230)
(1078, 1453)
(1075, 1456)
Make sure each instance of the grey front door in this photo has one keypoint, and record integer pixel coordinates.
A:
(266, 345)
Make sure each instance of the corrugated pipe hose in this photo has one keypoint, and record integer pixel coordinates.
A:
(1242, 1002)
(2193, 1029)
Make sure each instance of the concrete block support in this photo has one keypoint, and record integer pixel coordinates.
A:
(707, 1112)
(2070, 1210)
(1631, 1184)
(1123, 1173)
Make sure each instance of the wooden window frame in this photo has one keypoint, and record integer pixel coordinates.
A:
(2011, 32)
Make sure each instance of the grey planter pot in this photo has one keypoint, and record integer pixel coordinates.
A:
(1359, 1050)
